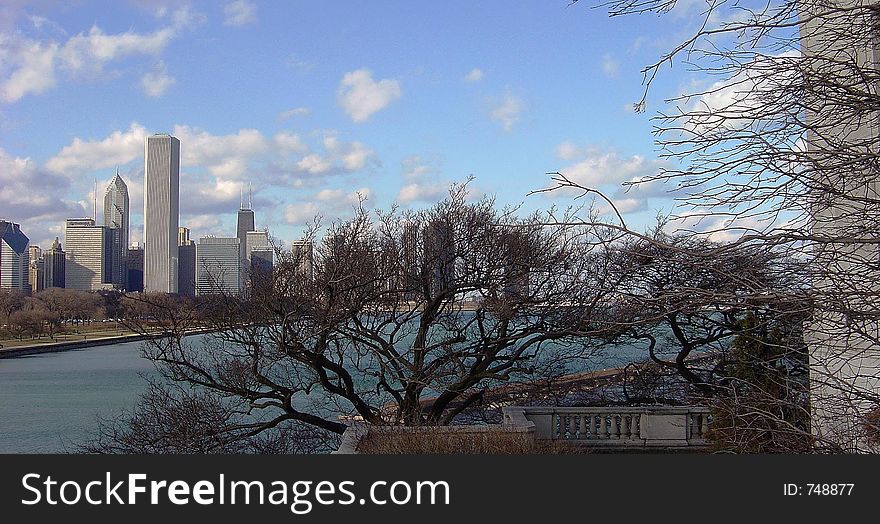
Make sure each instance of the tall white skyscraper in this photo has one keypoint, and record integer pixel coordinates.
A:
(116, 220)
(161, 207)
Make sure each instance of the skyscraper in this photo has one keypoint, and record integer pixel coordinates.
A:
(255, 240)
(134, 265)
(35, 269)
(13, 257)
(186, 266)
(161, 206)
(439, 246)
(245, 224)
(302, 253)
(86, 254)
(218, 266)
(53, 266)
(116, 220)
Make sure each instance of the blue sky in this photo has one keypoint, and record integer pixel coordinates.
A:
(314, 102)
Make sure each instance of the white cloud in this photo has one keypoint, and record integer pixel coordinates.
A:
(329, 203)
(83, 156)
(338, 157)
(337, 195)
(719, 228)
(738, 102)
(223, 155)
(625, 206)
(35, 72)
(327, 195)
(474, 75)
(568, 151)
(608, 169)
(157, 81)
(356, 156)
(314, 164)
(203, 225)
(33, 66)
(413, 168)
(301, 212)
(360, 96)
(507, 111)
(593, 167)
(239, 12)
(422, 192)
(34, 197)
(422, 183)
(610, 68)
(43, 24)
(289, 142)
(297, 111)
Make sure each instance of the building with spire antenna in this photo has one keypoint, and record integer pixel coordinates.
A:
(116, 220)
(245, 224)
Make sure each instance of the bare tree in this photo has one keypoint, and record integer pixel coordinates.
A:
(780, 145)
(392, 318)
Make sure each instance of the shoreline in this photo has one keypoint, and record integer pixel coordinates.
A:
(55, 347)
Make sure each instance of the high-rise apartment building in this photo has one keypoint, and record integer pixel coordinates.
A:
(161, 207)
(116, 220)
(218, 266)
(86, 254)
(53, 266)
(13, 257)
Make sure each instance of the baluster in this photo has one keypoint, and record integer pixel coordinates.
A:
(615, 427)
(556, 425)
(582, 424)
(572, 427)
(603, 426)
(592, 424)
(704, 425)
(626, 423)
(635, 429)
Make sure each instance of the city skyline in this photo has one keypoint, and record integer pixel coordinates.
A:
(314, 128)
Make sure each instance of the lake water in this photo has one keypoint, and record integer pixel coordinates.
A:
(49, 403)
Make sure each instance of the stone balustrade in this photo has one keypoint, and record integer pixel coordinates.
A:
(660, 426)
(606, 428)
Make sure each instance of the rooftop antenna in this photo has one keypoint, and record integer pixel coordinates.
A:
(250, 196)
(96, 200)
(241, 198)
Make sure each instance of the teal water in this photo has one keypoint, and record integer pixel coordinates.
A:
(50, 403)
